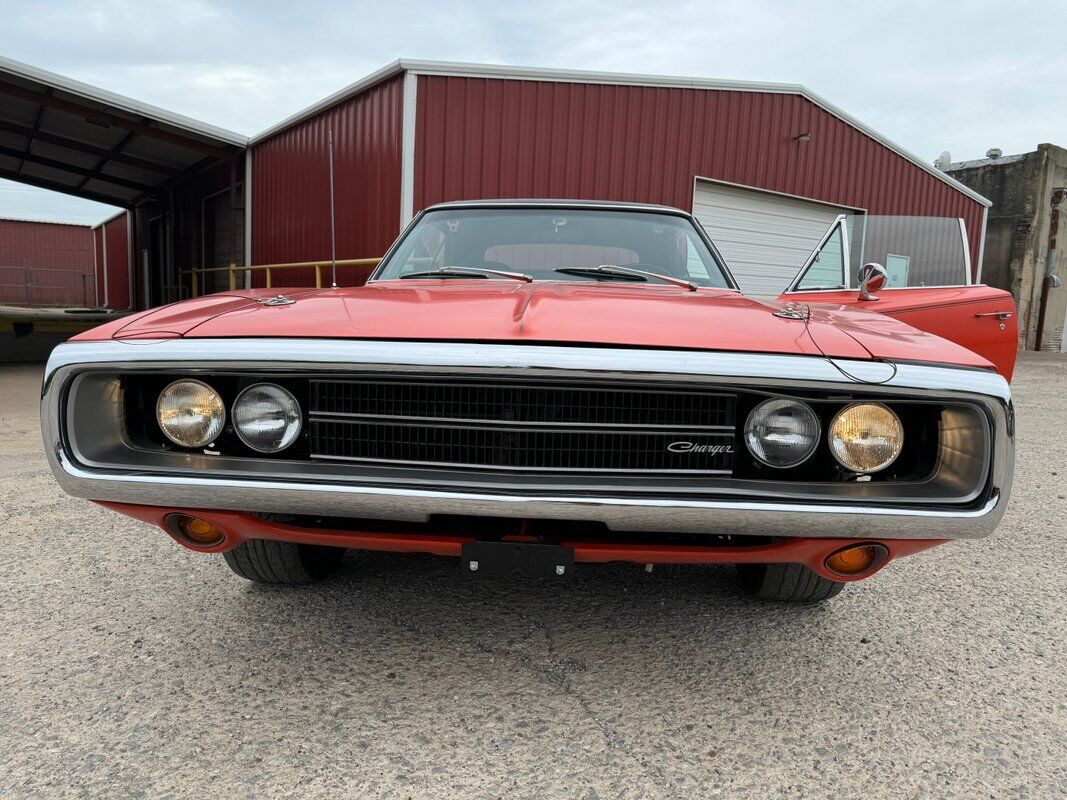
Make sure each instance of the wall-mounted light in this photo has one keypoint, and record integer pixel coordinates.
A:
(802, 137)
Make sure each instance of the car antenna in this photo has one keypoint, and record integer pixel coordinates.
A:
(333, 227)
(807, 329)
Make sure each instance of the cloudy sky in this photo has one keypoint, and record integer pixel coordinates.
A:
(930, 76)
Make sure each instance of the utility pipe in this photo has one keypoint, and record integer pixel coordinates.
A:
(1050, 281)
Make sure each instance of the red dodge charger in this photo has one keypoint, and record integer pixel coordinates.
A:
(531, 385)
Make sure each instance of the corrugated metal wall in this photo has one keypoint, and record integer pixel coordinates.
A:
(491, 138)
(193, 220)
(290, 185)
(46, 264)
(190, 249)
(115, 257)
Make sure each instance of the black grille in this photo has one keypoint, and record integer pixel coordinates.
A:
(518, 403)
(522, 426)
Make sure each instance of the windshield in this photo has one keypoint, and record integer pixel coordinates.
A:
(540, 241)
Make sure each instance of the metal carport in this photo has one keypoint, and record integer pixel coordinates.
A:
(70, 137)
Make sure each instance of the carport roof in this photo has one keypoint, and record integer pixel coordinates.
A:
(68, 136)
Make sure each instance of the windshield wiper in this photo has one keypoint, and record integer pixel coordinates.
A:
(627, 273)
(601, 274)
(468, 272)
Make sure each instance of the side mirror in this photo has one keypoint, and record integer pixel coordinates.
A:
(871, 278)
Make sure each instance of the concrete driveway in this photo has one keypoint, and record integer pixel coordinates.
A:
(130, 667)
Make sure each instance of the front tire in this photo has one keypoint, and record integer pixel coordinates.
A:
(283, 563)
(788, 583)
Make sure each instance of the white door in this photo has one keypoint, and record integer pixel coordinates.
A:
(764, 237)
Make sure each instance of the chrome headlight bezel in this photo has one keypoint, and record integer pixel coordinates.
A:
(217, 417)
(886, 463)
(288, 404)
(753, 442)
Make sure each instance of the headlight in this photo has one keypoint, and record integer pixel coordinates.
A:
(866, 437)
(781, 432)
(190, 413)
(266, 417)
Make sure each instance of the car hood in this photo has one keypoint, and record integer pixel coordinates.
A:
(546, 312)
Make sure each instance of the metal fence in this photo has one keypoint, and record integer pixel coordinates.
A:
(235, 274)
(41, 286)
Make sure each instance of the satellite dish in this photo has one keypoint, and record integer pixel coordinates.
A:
(993, 153)
(942, 162)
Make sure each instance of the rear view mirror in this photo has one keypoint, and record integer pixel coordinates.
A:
(871, 277)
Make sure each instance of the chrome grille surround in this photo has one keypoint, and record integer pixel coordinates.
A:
(751, 515)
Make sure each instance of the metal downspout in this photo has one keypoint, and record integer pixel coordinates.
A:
(103, 247)
(96, 283)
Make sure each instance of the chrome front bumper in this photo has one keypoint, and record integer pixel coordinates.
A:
(655, 514)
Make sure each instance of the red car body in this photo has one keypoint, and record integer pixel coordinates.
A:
(577, 313)
(967, 333)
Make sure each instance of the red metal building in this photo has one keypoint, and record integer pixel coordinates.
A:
(765, 167)
(290, 181)
(111, 262)
(46, 264)
(734, 153)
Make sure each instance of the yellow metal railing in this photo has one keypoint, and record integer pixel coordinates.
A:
(195, 273)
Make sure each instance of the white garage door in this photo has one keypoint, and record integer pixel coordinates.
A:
(764, 237)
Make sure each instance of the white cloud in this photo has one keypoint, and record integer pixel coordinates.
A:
(26, 202)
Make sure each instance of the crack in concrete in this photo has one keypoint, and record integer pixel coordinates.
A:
(560, 676)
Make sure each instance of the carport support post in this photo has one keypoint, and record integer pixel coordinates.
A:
(170, 274)
(233, 224)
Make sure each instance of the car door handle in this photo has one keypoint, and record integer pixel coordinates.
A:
(997, 314)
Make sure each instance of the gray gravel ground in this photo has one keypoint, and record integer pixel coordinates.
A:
(130, 667)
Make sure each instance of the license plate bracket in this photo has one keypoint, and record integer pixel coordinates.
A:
(526, 559)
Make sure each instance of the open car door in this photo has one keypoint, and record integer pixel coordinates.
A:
(927, 282)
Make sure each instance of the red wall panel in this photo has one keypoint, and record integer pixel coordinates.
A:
(189, 198)
(290, 185)
(45, 264)
(492, 138)
(98, 266)
(113, 263)
(181, 216)
(118, 263)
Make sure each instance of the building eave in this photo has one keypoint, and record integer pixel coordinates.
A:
(46, 222)
(388, 71)
(110, 219)
(120, 102)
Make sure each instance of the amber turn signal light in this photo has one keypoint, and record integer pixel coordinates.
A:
(194, 530)
(857, 559)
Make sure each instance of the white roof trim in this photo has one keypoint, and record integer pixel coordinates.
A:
(119, 102)
(388, 71)
(583, 76)
(112, 218)
(46, 222)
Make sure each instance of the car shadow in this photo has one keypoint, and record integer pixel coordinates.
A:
(389, 614)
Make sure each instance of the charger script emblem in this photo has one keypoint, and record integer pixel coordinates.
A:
(693, 447)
